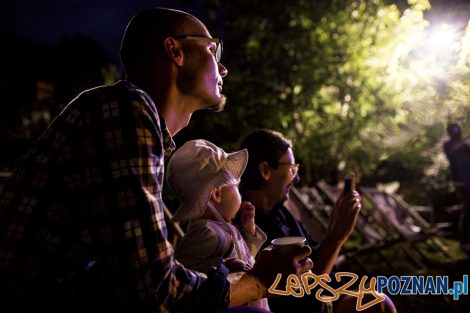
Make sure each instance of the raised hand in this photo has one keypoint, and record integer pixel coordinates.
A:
(344, 215)
(247, 217)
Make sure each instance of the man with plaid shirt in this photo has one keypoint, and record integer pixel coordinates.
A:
(82, 226)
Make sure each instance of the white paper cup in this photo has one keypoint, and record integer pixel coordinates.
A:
(287, 244)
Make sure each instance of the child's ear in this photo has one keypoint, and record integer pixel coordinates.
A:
(264, 170)
(216, 194)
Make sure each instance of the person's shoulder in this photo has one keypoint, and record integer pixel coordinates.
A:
(447, 147)
(120, 94)
(203, 227)
(207, 233)
(216, 230)
(119, 90)
(98, 94)
(213, 226)
(197, 232)
(92, 93)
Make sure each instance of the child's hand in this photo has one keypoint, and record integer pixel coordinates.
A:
(236, 265)
(247, 217)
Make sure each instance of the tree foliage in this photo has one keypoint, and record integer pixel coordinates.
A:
(351, 82)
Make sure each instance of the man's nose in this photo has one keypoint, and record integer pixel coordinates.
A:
(222, 70)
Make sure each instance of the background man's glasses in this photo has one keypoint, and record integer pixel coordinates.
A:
(293, 167)
(218, 42)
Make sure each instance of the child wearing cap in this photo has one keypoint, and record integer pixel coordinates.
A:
(205, 180)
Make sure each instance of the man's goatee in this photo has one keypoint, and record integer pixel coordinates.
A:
(219, 107)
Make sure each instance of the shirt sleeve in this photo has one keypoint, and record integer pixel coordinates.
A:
(255, 242)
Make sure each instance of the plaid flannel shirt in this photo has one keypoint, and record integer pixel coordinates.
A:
(87, 199)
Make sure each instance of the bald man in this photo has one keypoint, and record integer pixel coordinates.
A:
(82, 226)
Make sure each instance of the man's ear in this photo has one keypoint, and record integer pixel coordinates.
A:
(216, 194)
(264, 170)
(174, 50)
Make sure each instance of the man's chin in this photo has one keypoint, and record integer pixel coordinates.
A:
(219, 107)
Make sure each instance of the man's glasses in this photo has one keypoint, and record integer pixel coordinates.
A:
(218, 42)
(293, 167)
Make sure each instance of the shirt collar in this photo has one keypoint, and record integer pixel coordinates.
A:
(168, 144)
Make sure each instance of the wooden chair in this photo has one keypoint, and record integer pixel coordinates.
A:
(377, 238)
(398, 216)
(307, 205)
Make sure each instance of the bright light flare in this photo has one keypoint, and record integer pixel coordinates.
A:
(442, 39)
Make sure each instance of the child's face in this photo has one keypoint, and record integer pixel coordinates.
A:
(230, 203)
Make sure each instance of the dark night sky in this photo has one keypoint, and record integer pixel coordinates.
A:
(46, 21)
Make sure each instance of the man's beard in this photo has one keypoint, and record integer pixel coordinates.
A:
(188, 82)
(219, 107)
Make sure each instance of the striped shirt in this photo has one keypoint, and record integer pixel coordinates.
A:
(81, 218)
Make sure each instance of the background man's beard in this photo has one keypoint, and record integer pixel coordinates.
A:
(219, 107)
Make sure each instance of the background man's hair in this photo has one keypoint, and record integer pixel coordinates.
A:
(264, 145)
(142, 42)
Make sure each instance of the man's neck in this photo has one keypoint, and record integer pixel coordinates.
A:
(175, 107)
(175, 113)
